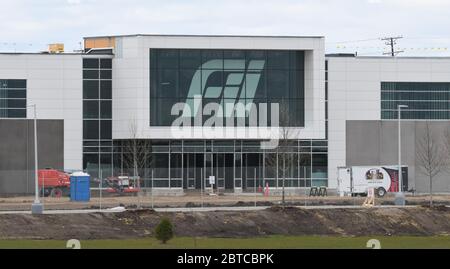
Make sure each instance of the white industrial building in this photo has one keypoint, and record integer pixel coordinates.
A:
(340, 110)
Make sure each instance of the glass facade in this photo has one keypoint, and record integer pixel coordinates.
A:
(13, 98)
(234, 163)
(97, 117)
(425, 100)
(226, 78)
(220, 76)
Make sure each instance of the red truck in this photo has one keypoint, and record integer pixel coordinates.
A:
(53, 183)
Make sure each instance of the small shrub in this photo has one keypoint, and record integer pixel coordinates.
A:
(164, 230)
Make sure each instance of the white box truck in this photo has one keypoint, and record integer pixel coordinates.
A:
(356, 180)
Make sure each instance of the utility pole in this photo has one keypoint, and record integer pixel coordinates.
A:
(392, 41)
(36, 207)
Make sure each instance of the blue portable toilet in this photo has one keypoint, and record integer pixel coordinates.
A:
(80, 187)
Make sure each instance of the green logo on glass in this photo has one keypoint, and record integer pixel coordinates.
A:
(239, 76)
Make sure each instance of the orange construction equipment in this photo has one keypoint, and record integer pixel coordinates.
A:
(53, 183)
(122, 185)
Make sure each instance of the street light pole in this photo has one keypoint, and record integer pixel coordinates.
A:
(400, 196)
(36, 207)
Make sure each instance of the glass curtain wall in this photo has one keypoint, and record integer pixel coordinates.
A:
(225, 77)
(234, 164)
(425, 100)
(13, 98)
(97, 117)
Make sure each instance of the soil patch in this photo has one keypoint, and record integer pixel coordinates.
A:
(423, 221)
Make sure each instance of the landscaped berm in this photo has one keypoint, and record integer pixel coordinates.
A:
(276, 227)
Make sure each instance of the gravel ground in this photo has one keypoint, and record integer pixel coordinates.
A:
(195, 199)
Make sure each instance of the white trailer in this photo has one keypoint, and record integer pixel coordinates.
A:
(356, 180)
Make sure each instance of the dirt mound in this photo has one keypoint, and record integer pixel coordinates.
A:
(275, 220)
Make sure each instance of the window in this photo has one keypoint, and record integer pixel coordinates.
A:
(13, 98)
(90, 63)
(90, 109)
(106, 63)
(105, 89)
(90, 129)
(90, 89)
(225, 76)
(425, 100)
(106, 109)
(90, 74)
(105, 129)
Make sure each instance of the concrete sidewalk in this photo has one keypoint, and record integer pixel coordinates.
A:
(197, 209)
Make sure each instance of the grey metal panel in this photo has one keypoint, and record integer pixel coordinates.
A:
(361, 136)
(17, 152)
(364, 141)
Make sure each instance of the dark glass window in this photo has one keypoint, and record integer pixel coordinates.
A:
(190, 59)
(90, 63)
(277, 84)
(97, 113)
(90, 74)
(105, 74)
(278, 59)
(13, 100)
(90, 89)
(320, 166)
(167, 58)
(216, 56)
(225, 76)
(168, 83)
(13, 84)
(16, 103)
(105, 109)
(105, 89)
(13, 94)
(105, 129)
(106, 63)
(90, 129)
(161, 163)
(13, 113)
(90, 164)
(90, 109)
(425, 100)
(189, 84)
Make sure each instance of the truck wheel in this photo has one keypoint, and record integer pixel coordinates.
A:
(381, 192)
(45, 191)
(56, 193)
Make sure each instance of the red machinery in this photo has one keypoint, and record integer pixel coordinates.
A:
(122, 185)
(53, 183)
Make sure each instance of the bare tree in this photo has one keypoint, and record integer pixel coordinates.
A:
(136, 153)
(283, 157)
(431, 157)
(447, 151)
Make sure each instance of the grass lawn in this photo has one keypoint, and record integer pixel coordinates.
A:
(250, 243)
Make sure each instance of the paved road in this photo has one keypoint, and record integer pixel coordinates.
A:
(188, 209)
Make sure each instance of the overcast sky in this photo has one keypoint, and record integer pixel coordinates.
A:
(348, 25)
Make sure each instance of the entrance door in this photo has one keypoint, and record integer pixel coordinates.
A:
(199, 170)
(223, 170)
(193, 166)
(189, 171)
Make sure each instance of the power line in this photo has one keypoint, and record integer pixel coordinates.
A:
(392, 41)
(353, 41)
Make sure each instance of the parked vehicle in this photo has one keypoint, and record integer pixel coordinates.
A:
(356, 180)
(122, 185)
(53, 183)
